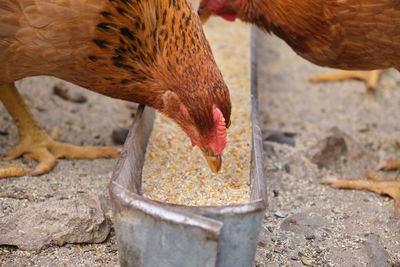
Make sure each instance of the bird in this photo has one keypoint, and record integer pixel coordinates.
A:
(151, 52)
(349, 35)
(267, 16)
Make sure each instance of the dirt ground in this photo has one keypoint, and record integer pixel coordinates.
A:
(306, 223)
(89, 123)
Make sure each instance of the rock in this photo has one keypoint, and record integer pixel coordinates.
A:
(302, 223)
(309, 236)
(119, 135)
(55, 222)
(305, 261)
(263, 240)
(269, 150)
(275, 192)
(294, 257)
(330, 149)
(62, 90)
(377, 255)
(282, 138)
(279, 214)
(338, 150)
(275, 239)
(287, 169)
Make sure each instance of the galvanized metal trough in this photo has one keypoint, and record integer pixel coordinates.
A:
(153, 233)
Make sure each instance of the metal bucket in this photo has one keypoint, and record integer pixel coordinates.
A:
(153, 233)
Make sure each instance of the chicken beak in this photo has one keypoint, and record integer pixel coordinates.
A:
(204, 14)
(214, 161)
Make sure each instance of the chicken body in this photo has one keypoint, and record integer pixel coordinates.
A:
(361, 35)
(152, 52)
(349, 34)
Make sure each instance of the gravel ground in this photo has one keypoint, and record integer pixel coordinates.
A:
(70, 179)
(306, 223)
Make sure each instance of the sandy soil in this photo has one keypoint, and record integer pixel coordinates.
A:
(89, 123)
(306, 223)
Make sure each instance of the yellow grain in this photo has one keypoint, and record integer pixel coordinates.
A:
(177, 173)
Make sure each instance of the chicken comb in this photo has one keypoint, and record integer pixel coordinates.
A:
(218, 143)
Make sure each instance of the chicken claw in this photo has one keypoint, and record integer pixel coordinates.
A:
(13, 170)
(374, 184)
(369, 77)
(47, 151)
(35, 143)
(388, 165)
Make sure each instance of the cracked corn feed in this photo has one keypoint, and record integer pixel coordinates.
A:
(174, 172)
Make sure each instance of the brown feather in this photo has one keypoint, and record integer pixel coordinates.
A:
(347, 34)
(133, 50)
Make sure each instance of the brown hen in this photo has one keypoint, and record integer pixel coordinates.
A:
(327, 28)
(152, 52)
(350, 34)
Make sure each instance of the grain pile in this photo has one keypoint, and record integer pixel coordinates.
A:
(175, 172)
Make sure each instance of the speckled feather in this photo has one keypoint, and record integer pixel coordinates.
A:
(152, 52)
(347, 34)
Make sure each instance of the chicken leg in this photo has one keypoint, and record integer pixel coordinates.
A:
(369, 77)
(374, 183)
(36, 144)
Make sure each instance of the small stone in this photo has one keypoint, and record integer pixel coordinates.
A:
(261, 243)
(275, 193)
(330, 150)
(263, 238)
(62, 90)
(279, 214)
(282, 138)
(305, 261)
(377, 254)
(287, 168)
(41, 109)
(275, 238)
(310, 236)
(294, 257)
(338, 151)
(119, 135)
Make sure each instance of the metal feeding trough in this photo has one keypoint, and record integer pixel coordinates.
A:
(153, 233)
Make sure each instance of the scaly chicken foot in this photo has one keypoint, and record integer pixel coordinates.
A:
(35, 143)
(390, 164)
(369, 77)
(375, 183)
